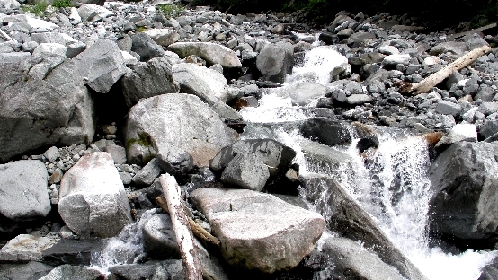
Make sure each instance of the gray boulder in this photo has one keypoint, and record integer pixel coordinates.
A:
(24, 190)
(163, 37)
(327, 131)
(489, 128)
(26, 247)
(30, 271)
(145, 47)
(246, 171)
(275, 61)
(57, 110)
(159, 238)
(175, 121)
(101, 65)
(73, 46)
(148, 79)
(448, 108)
(346, 257)
(209, 85)
(148, 174)
(454, 47)
(92, 199)
(303, 93)
(93, 12)
(211, 52)
(259, 231)
(346, 217)
(73, 272)
(464, 202)
(70, 251)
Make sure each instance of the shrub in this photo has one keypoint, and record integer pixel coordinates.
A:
(169, 10)
(37, 9)
(61, 3)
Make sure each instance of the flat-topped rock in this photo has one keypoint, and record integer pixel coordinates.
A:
(211, 52)
(259, 231)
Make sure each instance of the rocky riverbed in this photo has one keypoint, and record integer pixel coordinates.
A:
(97, 101)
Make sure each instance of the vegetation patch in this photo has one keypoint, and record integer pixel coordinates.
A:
(170, 10)
(61, 3)
(36, 9)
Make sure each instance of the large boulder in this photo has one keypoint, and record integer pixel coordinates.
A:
(73, 272)
(26, 247)
(34, 113)
(464, 181)
(159, 238)
(346, 217)
(145, 47)
(30, 271)
(343, 258)
(211, 52)
(208, 84)
(303, 93)
(73, 46)
(275, 61)
(148, 79)
(259, 231)
(92, 199)
(24, 190)
(163, 37)
(177, 122)
(327, 131)
(101, 65)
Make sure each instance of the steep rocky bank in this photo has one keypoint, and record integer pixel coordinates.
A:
(97, 101)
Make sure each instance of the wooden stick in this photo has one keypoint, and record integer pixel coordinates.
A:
(181, 226)
(197, 230)
(428, 83)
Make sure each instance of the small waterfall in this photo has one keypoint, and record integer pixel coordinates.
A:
(126, 248)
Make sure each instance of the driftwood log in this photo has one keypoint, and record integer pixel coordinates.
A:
(428, 83)
(181, 226)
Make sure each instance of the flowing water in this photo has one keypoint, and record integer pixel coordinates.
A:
(392, 186)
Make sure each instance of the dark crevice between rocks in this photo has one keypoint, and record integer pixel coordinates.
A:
(110, 107)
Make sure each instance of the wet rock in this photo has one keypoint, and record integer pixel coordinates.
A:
(26, 247)
(350, 260)
(72, 272)
(169, 269)
(145, 47)
(463, 180)
(92, 200)
(259, 231)
(23, 190)
(489, 271)
(275, 61)
(30, 271)
(61, 110)
(326, 131)
(147, 80)
(303, 93)
(101, 65)
(346, 217)
(159, 238)
(458, 133)
(175, 121)
(73, 252)
(211, 52)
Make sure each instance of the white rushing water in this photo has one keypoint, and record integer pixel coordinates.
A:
(392, 187)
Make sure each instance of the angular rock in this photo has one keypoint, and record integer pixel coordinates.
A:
(489, 128)
(26, 247)
(207, 84)
(118, 153)
(174, 162)
(346, 217)
(148, 79)
(303, 93)
(176, 121)
(246, 171)
(167, 269)
(24, 190)
(326, 131)
(211, 52)
(92, 199)
(464, 179)
(259, 231)
(102, 65)
(454, 47)
(358, 99)
(73, 46)
(73, 272)
(30, 271)
(163, 37)
(148, 174)
(93, 12)
(159, 238)
(275, 61)
(448, 108)
(73, 252)
(344, 257)
(145, 47)
(395, 59)
(31, 24)
(36, 113)
(458, 133)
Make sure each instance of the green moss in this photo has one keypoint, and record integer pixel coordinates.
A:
(170, 10)
(141, 29)
(61, 3)
(143, 140)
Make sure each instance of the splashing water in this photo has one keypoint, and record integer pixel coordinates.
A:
(318, 64)
(126, 248)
